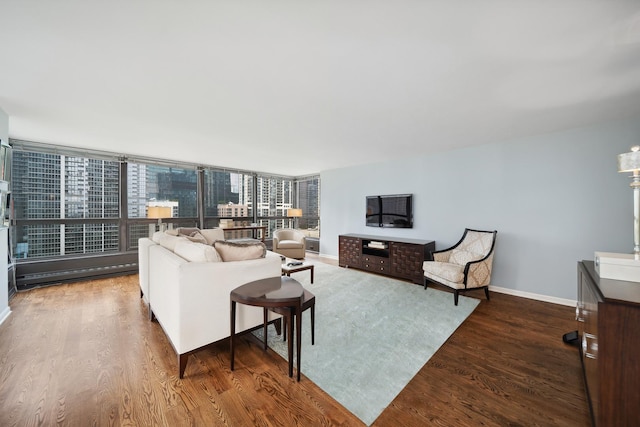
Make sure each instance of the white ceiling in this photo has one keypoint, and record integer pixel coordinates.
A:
(297, 87)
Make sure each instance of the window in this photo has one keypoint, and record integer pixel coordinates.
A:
(67, 202)
(154, 191)
(308, 194)
(228, 194)
(63, 204)
(274, 196)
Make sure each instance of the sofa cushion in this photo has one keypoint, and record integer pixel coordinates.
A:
(212, 234)
(196, 252)
(451, 272)
(289, 244)
(240, 251)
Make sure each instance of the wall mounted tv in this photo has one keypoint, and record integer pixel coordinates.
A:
(394, 210)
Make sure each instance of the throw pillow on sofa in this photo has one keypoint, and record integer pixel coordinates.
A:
(196, 252)
(192, 233)
(240, 251)
(187, 231)
(167, 240)
(197, 237)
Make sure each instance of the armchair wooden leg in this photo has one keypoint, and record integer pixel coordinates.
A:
(425, 283)
(486, 292)
(455, 297)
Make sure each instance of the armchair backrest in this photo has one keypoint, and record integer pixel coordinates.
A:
(288, 234)
(478, 242)
(473, 246)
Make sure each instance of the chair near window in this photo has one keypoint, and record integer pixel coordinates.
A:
(464, 266)
(289, 242)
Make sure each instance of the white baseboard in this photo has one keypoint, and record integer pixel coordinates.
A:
(530, 295)
(4, 315)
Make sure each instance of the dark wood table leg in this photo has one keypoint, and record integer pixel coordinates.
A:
(313, 323)
(233, 329)
(298, 312)
(266, 316)
(312, 274)
(290, 343)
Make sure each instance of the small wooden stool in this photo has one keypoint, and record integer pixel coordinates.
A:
(309, 301)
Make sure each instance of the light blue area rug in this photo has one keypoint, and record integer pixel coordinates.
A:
(373, 334)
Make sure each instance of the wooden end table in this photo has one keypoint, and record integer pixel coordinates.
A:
(288, 269)
(308, 301)
(274, 292)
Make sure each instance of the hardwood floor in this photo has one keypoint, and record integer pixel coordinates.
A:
(86, 354)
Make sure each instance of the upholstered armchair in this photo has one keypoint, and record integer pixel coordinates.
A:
(289, 242)
(464, 266)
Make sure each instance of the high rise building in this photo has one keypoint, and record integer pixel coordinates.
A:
(54, 186)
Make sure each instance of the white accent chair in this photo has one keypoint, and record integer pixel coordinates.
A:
(464, 266)
(289, 242)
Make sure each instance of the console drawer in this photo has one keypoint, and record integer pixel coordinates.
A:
(374, 263)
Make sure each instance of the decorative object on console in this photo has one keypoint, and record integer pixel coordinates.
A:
(625, 266)
(376, 245)
(614, 266)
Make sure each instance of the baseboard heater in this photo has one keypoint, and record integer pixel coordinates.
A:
(34, 274)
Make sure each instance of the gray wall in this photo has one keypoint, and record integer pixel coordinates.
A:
(554, 199)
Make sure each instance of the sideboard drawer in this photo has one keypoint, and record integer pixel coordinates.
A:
(374, 263)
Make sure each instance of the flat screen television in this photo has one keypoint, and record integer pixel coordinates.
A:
(394, 210)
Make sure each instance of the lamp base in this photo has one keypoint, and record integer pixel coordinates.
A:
(618, 266)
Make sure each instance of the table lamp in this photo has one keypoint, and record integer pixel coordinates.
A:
(625, 266)
(158, 212)
(294, 213)
(630, 162)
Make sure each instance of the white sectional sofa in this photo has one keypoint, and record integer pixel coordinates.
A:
(188, 290)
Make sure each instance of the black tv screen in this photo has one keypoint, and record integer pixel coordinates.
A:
(395, 210)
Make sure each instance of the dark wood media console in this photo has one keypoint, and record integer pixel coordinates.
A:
(399, 258)
(608, 316)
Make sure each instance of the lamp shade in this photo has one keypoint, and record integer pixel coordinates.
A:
(294, 213)
(629, 162)
(159, 212)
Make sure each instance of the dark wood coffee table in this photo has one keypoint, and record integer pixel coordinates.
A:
(274, 292)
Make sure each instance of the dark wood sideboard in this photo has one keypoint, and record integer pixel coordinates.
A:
(395, 257)
(608, 317)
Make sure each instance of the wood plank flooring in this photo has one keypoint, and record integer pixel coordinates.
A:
(86, 354)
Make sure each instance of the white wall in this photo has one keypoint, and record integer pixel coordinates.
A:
(4, 290)
(554, 199)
